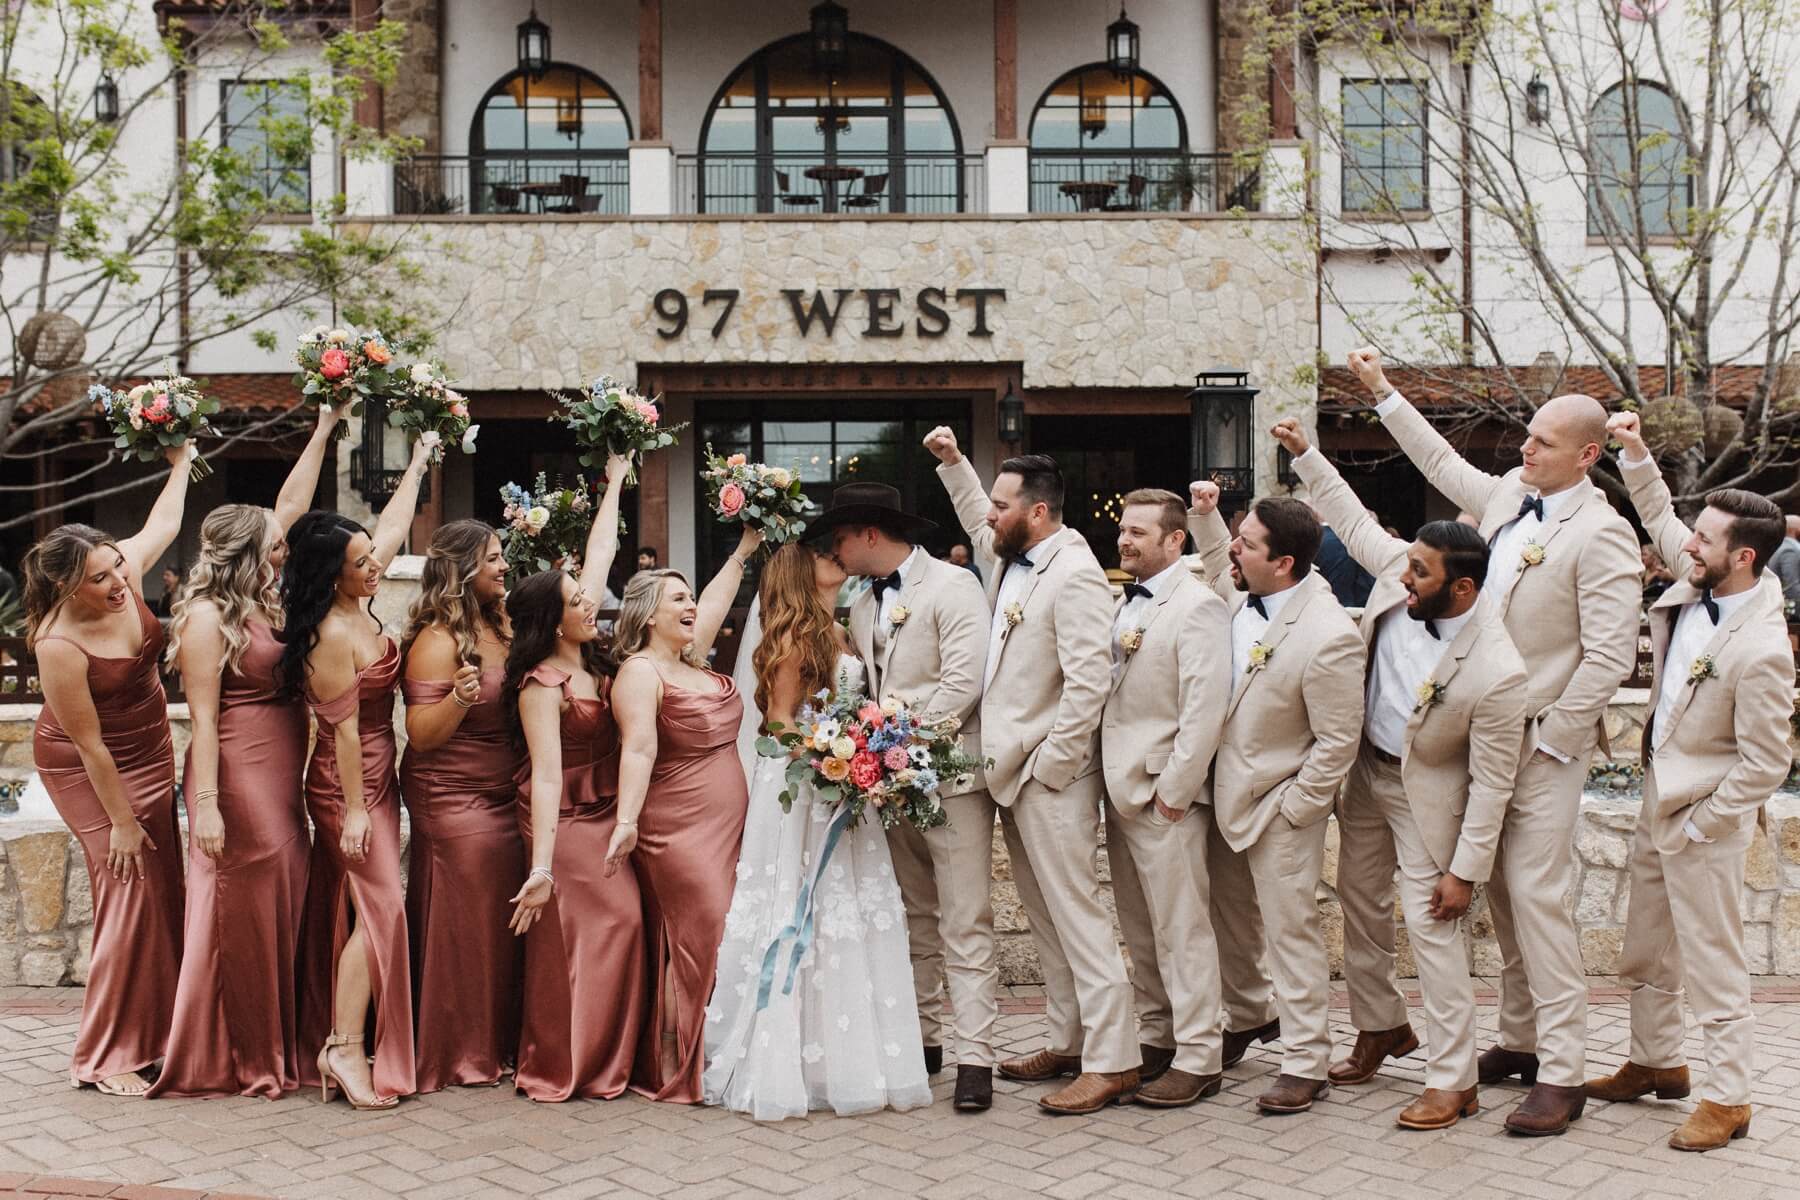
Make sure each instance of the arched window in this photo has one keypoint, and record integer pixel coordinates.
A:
(1638, 163)
(876, 135)
(550, 143)
(1104, 141)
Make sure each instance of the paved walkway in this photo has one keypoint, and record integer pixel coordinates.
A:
(486, 1143)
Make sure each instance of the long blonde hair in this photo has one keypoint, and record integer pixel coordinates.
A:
(631, 632)
(53, 571)
(235, 574)
(452, 561)
(796, 623)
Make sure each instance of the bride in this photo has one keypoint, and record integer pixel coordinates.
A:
(846, 1036)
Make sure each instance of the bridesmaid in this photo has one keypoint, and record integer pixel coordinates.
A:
(102, 748)
(334, 655)
(678, 727)
(248, 844)
(582, 921)
(457, 780)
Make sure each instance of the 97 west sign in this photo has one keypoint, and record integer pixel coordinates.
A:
(882, 312)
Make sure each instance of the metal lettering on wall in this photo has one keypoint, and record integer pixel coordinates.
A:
(884, 312)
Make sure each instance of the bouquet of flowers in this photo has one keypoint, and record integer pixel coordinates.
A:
(150, 417)
(427, 403)
(857, 753)
(346, 366)
(544, 526)
(613, 418)
(755, 494)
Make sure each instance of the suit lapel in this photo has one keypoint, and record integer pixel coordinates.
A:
(1149, 614)
(1715, 647)
(1276, 633)
(1448, 664)
(863, 614)
(1547, 533)
(1041, 555)
(908, 597)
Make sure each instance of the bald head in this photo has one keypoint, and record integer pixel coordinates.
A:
(1793, 526)
(1563, 443)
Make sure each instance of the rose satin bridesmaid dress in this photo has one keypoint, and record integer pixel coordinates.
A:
(368, 892)
(688, 839)
(234, 1027)
(136, 957)
(584, 956)
(466, 862)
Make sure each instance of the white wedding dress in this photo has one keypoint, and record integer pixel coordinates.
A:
(846, 1038)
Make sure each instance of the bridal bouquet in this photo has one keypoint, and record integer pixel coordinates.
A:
(150, 417)
(610, 418)
(544, 526)
(755, 494)
(427, 403)
(346, 366)
(857, 753)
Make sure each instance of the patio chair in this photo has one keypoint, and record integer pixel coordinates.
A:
(1134, 195)
(788, 195)
(872, 188)
(574, 189)
(506, 198)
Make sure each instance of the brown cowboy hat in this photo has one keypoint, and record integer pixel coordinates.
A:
(875, 504)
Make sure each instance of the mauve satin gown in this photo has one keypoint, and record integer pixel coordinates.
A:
(584, 956)
(234, 1009)
(370, 889)
(688, 839)
(136, 956)
(466, 862)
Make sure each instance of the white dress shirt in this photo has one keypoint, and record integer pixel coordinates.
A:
(1131, 613)
(1012, 586)
(1693, 630)
(1247, 628)
(1405, 657)
(890, 597)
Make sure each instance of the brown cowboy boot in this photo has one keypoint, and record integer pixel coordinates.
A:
(1631, 1081)
(1370, 1051)
(1039, 1067)
(1157, 1059)
(1496, 1063)
(1438, 1109)
(1176, 1088)
(1091, 1092)
(1292, 1094)
(1236, 1042)
(1546, 1110)
(1711, 1126)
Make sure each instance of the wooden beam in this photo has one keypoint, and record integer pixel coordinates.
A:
(369, 114)
(1006, 70)
(650, 71)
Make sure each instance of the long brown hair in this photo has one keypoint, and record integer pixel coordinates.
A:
(535, 606)
(234, 573)
(451, 563)
(54, 569)
(795, 623)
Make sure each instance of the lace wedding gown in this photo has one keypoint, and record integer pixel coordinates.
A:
(847, 1036)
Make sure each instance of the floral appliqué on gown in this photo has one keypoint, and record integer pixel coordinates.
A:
(847, 1037)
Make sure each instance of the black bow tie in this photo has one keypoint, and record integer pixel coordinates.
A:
(1431, 628)
(1532, 504)
(884, 583)
(1021, 561)
(1710, 605)
(1136, 589)
(1256, 603)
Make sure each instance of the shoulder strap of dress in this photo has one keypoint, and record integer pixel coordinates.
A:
(546, 675)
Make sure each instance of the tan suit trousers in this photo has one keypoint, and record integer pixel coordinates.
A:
(944, 877)
(1447, 989)
(1160, 885)
(1365, 885)
(1286, 863)
(1685, 928)
(1543, 986)
(1237, 925)
(1053, 839)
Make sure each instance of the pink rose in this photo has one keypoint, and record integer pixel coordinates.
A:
(647, 410)
(736, 460)
(896, 758)
(334, 364)
(157, 411)
(459, 410)
(731, 500)
(865, 770)
(869, 714)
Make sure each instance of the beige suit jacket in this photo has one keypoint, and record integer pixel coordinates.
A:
(1040, 714)
(1573, 616)
(1162, 722)
(935, 659)
(1726, 748)
(1463, 750)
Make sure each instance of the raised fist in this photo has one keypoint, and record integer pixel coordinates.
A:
(1627, 429)
(1366, 364)
(1287, 431)
(1203, 495)
(942, 444)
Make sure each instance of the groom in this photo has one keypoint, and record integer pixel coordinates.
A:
(922, 627)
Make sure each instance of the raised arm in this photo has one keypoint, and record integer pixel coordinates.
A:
(1083, 613)
(715, 601)
(962, 634)
(163, 525)
(636, 699)
(396, 517)
(1468, 487)
(63, 668)
(303, 478)
(1203, 666)
(201, 660)
(967, 495)
(540, 714)
(1332, 689)
(1649, 494)
(603, 535)
(1368, 543)
(1211, 560)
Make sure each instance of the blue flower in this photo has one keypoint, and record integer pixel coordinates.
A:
(926, 780)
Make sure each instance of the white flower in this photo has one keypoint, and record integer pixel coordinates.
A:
(340, 336)
(138, 392)
(468, 442)
(536, 519)
(891, 1049)
(421, 372)
(317, 333)
(883, 920)
(843, 1023)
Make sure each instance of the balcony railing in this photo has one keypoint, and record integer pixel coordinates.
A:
(856, 185)
(1143, 182)
(458, 185)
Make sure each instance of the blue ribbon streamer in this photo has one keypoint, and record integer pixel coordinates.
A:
(801, 927)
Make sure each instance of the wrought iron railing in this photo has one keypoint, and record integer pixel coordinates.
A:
(461, 184)
(848, 184)
(1145, 181)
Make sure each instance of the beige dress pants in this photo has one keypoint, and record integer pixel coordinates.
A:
(1244, 983)
(1685, 928)
(1365, 885)
(1053, 838)
(1160, 886)
(945, 876)
(1286, 864)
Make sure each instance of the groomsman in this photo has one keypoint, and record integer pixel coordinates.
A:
(1171, 679)
(922, 628)
(1048, 674)
(1716, 747)
(1442, 733)
(1291, 731)
(1565, 579)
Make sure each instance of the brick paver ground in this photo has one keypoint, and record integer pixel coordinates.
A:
(479, 1142)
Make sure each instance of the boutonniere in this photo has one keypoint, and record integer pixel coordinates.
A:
(1532, 554)
(1015, 614)
(897, 618)
(1703, 668)
(1130, 640)
(1260, 655)
(1430, 692)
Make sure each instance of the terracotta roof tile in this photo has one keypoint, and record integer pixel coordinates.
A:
(1448, 386)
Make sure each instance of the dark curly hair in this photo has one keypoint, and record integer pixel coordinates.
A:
(535, 609)
(316, 546)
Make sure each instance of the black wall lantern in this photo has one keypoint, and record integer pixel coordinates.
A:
(106, 100)
(830, 37)
(1221, 428)
(568, 116)
(1122, 46)
(1537, 100)
(1012, 417)
(534, 46)
(369, 473)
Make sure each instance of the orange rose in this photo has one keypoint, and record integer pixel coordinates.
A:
(835, 769)
(377, 353)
